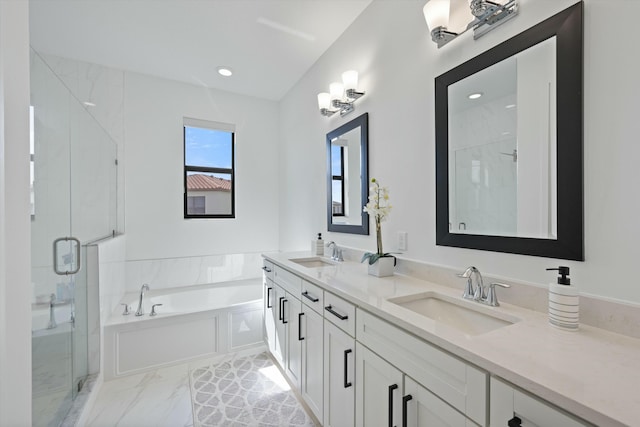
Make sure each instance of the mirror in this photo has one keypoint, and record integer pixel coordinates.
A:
(509, 145)
(348, 177)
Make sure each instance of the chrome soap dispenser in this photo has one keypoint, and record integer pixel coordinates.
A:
(563, 302)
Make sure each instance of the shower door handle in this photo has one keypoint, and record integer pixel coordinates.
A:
(75, 242)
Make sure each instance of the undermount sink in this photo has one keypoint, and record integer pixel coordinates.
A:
(313, 262)
(468, 317)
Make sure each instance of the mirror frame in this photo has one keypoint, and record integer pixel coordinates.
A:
(362, 122)
(569, 245)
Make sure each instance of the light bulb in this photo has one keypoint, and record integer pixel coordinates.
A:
(324, 100)
(336, 90)
(350, 80)
(436, 13)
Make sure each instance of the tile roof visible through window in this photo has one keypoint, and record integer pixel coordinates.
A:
(199, 182)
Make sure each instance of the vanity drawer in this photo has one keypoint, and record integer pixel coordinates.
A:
(459, 384)
(340, 312)
(267, 270)
(312, 296)
(289, 281)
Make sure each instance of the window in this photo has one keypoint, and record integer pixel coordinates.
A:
(209, 172)
(337, 180)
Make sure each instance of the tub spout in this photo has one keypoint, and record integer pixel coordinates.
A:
(140, 310)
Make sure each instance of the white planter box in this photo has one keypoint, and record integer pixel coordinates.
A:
(383, 267)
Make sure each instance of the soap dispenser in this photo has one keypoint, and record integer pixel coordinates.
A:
(317, 246)
(563, 301)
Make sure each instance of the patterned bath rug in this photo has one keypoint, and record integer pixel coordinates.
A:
(244, 391)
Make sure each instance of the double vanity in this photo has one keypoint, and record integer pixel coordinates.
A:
(401, 351)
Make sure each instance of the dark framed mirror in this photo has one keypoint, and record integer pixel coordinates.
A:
(348, 177)
(509, 156)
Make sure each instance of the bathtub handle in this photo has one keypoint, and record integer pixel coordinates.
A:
(283, 316)
(153, 310)
(300, 338)
(280, 308)
(269, 297)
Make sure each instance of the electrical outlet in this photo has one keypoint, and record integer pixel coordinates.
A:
(402, 240)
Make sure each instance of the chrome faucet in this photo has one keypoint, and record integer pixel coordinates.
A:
(52, 315)
(477, 293)
(336, 253)
(140, 310)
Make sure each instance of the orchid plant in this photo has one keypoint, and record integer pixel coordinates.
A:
(378, 207)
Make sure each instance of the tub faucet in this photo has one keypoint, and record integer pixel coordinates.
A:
(140, 310)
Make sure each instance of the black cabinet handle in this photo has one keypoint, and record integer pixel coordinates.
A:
(284, 321)
(266, 269)
(280, 308)
(300, 337)
(347, 384)
(269, 297)
(335, 313)
(392, 387)
(405, 401)
(310, 297)
(514, 422)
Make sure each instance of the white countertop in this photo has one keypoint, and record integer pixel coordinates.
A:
(591, 373)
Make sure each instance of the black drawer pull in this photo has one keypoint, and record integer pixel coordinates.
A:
(300, 337)
(310, 297)
(514, 422)
(284, 321)
(347, 384)
(280, 308)
(392, 387)
(266, 269)
(405, 401)
(269, 305)
(338, 315)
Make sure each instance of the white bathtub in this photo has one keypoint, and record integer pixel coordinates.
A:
(193, 322)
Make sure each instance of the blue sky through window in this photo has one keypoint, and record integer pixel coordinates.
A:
(207, 147)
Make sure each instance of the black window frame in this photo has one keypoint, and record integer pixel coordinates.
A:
(341, 179)
(203, 124)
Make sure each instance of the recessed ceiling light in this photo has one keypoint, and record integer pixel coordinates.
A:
(475, 95)
(89, 104)
(510, 106)
(225, 71)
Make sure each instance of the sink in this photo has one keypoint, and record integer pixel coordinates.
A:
(313, 262)
(468, 317)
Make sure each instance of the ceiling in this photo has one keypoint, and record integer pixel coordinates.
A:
(269, 44)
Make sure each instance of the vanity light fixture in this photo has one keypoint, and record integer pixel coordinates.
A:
(486, 15)
(341, 96)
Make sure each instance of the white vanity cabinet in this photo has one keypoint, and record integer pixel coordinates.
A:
(511, 407)
(432, 371)
(339, 377)
(312, 335)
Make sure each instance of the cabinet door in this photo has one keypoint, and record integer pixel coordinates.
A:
(280, 342)
(269, 322)
(378, 390)
(339, 377)
(311, 386)
(512, 407)
(291, 318)
(420, 407)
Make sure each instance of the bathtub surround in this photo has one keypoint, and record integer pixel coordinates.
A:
(247, 390)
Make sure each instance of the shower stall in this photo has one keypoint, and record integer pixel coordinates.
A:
(73, 203)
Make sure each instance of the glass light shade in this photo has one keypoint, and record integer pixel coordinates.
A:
(337, 90)
(350, 80)
(324, 100)
(436, 13)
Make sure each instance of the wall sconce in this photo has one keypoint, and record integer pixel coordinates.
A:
(341, 96)
(486, 14)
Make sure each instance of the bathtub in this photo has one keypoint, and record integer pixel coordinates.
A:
(193, 322)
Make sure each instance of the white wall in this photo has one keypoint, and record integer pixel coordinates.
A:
(389, 45)
(15, 289)
(156, 228)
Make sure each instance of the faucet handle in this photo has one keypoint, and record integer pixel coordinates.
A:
(153, 310)
(492, 296)
(127, 309)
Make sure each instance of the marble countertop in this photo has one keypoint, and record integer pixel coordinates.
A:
(591, 373)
